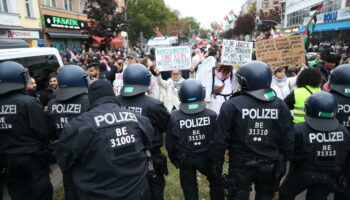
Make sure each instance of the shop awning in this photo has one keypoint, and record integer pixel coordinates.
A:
(67, 35)
(335, 26)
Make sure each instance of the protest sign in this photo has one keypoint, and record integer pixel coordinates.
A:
(281, 52)
(236, 52)
(170, 58)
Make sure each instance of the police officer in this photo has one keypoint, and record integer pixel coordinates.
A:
(71, 100)
(104, 149)
(321, 148)
(24, 133)
(257, 129)
(189, 132)
(340, 88)
(136, 79)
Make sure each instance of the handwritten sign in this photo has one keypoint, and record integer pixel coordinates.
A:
(171, 58)
(236, 52)
(281, 52)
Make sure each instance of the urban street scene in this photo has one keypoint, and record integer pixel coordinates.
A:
(174, 99)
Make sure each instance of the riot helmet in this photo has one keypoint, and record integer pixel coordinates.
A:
(72, 81)
(321, 110)
(192, 95)
(13, 76)
(340, 80)
(255, 79)
(136, 78)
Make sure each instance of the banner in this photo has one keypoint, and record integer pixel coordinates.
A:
(281, 52)
(170, 58)
(236, 52)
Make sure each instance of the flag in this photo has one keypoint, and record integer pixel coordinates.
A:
(231, 16)
(310, 27)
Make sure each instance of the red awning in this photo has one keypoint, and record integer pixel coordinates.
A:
(114, 41)
(97, 38)
(117, 41)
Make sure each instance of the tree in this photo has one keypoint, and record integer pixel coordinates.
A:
(147, 15)
(203, 33)
(245, 24)
(270, 21)
(252, 8)
(104, 20)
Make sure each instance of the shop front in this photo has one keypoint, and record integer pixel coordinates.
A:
(65, 33)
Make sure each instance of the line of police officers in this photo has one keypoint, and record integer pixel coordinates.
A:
(109, 147)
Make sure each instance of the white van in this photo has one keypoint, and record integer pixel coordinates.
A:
(40, 62)
(161, 42)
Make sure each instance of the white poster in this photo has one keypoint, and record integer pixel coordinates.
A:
(236, 52)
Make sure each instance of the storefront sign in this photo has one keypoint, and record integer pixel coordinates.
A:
(236, 52)
(337, 15)
(170, 58)
(281, 52)
(330, 17)
(65, 23)
(14, 34)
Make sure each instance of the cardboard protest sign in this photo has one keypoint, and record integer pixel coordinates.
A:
(236, 52)
(281, 52)
(170, 58)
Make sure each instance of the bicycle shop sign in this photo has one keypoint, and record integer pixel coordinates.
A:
(65, 23)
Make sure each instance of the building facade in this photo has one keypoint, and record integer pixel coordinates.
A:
(20, 19)
(297, 12)
(64, 24)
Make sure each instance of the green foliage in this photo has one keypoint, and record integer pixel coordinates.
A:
(104, 18)
(146, 15)
(252, 8)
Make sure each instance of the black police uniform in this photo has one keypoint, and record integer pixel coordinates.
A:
(317, 163)
(71, 100)
(136, 81)
(104, 148)
(321, 148)
(258, 135)
(159, 116)
(61, 113)
(340, 88)
(24, 135)
(189, 132)
(187, 142)
(257, 129)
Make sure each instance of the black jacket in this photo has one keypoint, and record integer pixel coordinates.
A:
(24, 127)
(190, 134)
(250, 128)
(61, 113)
(151, 108)
(317, 150)
(104, 148)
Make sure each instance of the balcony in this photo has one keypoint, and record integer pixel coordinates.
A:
(10, 19)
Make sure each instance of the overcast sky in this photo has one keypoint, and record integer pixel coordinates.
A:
(205, 11)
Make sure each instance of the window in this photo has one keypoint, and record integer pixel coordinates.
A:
(50, 3)
(3, 6)
(68, 4)
(82, 5)
(29, 8)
